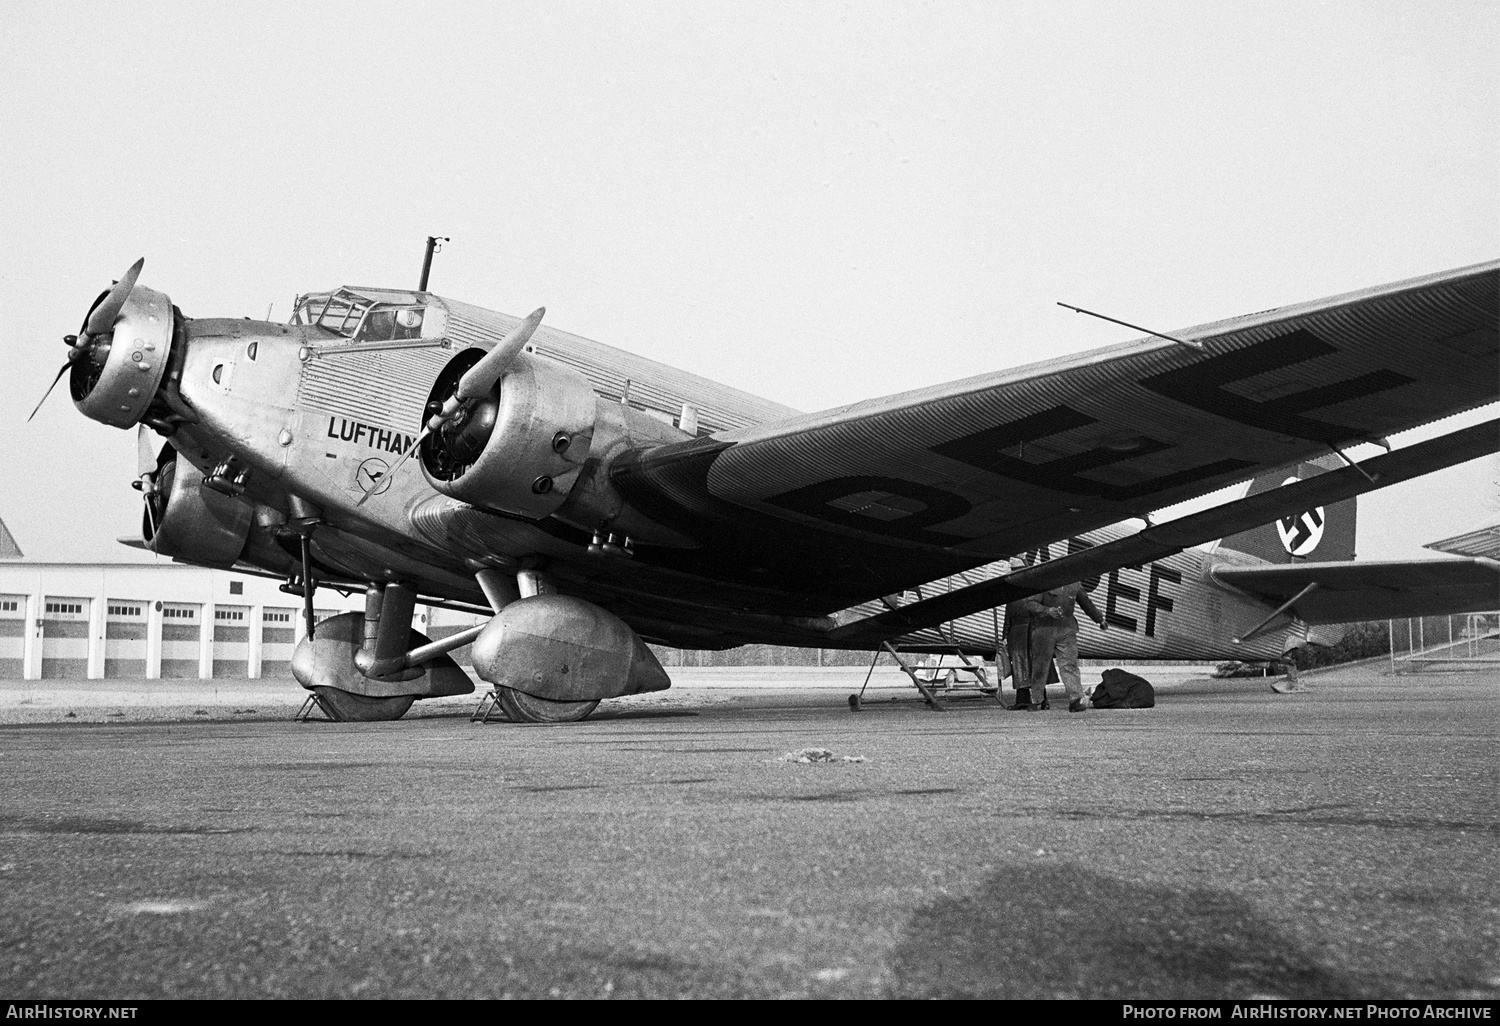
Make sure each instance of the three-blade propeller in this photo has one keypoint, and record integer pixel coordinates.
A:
(100, 323)
(476, 383)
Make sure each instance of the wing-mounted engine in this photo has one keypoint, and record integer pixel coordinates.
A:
(189, 522)
(519, 447)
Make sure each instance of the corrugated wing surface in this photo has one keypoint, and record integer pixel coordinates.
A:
(995, 464)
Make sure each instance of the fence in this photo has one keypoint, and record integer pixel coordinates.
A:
(1464, 641)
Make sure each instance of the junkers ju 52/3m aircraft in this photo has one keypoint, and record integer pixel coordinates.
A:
(409, 445)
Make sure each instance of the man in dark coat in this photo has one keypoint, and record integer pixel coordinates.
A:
(1054, 636)
(1018, 650)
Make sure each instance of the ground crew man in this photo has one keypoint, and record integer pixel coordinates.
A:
(1054, 636)
(1018, 650)
(1018, 643)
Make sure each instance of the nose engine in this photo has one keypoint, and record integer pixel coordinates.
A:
(116, 378)
(120, 356)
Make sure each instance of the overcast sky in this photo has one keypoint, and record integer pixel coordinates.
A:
(817, 202)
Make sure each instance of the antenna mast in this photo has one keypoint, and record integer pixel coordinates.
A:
(434, 243)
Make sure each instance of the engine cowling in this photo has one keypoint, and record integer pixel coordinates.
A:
(518, 449)
(117, 381)
(189, 522)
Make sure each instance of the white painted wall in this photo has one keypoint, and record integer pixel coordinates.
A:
(156, 584)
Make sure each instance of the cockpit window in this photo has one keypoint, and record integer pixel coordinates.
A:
(339, 312)
(362, 318)
(385, 324)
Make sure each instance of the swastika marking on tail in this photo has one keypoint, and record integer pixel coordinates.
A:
(1301, 532)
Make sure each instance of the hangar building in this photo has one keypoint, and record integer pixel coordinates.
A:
(160, 620)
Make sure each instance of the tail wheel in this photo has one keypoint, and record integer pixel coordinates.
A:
(347, 707)
(519, 707)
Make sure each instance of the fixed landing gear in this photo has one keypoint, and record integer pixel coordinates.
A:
(328, 667)
(511, 706)
(549, 658)
(519, 707)
(347, 707)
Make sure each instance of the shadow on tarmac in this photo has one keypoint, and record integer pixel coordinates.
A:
(1066, 932)
(602, 714)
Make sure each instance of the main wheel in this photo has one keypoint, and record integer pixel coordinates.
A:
(519, 707)
(347, 707)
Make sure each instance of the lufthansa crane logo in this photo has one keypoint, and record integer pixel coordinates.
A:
(1301, 532)
(372, 475)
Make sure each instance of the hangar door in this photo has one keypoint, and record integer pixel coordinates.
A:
(181, 623)
(125, 638)
(12, 636)
(65, 638)
(278, 627)
(231, 641)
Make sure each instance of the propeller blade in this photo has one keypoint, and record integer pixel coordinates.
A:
(481, 377)
(50, 387)
(150, 517)
(145, 452)
(392, 472)
(102, 320)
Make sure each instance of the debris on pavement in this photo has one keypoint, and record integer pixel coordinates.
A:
(820, 755)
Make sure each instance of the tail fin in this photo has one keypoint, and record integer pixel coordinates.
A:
(1316, 535)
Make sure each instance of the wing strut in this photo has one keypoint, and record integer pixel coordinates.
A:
(1288, 604)
(1340, 454)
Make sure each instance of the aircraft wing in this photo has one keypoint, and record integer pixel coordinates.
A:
(986, 464)
(1381, 590)
(1162, 540)
(975, 470)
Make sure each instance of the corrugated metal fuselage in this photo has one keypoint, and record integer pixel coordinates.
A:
(320, 416)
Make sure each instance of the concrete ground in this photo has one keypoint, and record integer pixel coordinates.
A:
(1229, 843)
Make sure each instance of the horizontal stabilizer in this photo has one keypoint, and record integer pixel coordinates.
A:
(1396, 589)
(1158, 542)
(1483, 542)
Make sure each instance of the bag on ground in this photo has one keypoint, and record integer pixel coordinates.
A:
(1120, 690)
